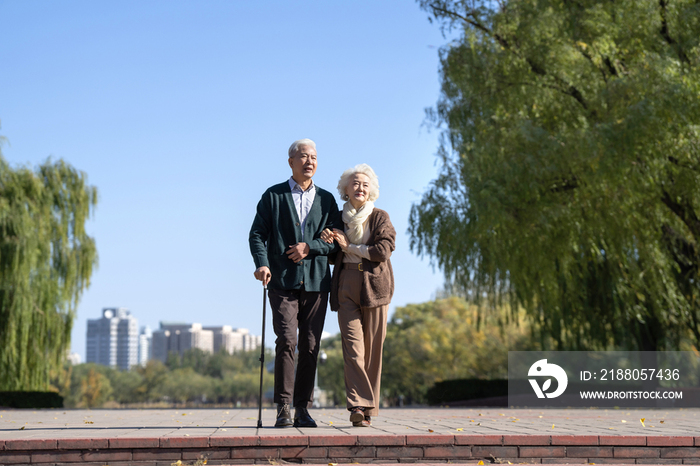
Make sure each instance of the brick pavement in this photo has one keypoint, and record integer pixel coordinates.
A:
(229, 436)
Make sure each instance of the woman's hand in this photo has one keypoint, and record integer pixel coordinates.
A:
(327, 236)
(339, 236)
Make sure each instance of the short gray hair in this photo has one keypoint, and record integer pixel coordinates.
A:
(300, 142)
(365, 170)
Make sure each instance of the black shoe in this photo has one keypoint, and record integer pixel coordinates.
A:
(284, 416)
(302, 418)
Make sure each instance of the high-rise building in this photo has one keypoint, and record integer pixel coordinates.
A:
(145, 345)
(113, 339)
(178, 337)
(234, 339)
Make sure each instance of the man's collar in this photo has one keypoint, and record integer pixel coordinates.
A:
(293, 184)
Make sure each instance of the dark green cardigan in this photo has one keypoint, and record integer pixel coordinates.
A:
(276, 227)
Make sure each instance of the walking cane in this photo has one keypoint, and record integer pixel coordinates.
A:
(262, 357)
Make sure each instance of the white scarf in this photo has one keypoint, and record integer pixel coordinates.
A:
(354, 219)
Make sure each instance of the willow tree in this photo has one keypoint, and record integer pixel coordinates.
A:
(570, 166)
(46, 259)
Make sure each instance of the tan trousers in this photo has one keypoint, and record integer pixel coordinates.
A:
(363, 331)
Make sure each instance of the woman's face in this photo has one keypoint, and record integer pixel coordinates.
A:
(358, 189)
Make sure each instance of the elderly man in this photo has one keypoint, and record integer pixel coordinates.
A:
(291, 257)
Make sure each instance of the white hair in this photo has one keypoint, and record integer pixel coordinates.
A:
(301, 142)
(365, 170)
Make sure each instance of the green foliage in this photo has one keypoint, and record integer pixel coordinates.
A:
(184, 384)
(440, 340)
(153, 375)
(331, 372)
(90, 386)
(125, 385)
(570, 180)
(46, 259)
(196, 377)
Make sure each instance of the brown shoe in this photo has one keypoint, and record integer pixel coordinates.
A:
(357, 417)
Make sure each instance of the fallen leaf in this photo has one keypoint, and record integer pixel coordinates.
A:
(187, 435)
(642, 421)
(552, 426)
(624, 420)
(21, 428)
(539, 417)
(611, 428)
(332, 464)
(481, 463)
(659, 421)
(478, 423)
(460, 429)
(431, 430)
(223, 430)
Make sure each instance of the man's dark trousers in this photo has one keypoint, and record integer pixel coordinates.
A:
(305, 311)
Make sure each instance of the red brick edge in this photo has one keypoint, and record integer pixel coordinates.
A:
(354, 448)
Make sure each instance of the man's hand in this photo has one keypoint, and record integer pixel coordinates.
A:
(297, 252)
(263, 274)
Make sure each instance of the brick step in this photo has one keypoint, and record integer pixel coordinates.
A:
(324, 449)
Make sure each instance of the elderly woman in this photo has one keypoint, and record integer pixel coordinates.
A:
(361, 289)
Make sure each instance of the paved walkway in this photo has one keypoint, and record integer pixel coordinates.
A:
(155, 437)
(114, 423)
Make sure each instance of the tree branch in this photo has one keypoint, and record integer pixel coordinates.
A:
(565, 185)
(568, 88)
(474, 22)
(667, 36)
(685, 213)
(684, 252)
(678, 163)
(590, 59)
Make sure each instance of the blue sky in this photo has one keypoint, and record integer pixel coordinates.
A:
(181, 114)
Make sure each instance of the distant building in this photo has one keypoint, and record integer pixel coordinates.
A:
(178, 337)
(113, 339)
(234, 339)
(145, 345)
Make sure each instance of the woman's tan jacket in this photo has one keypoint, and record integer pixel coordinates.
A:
(378, 276)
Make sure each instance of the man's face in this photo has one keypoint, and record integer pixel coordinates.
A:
(303, 163)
